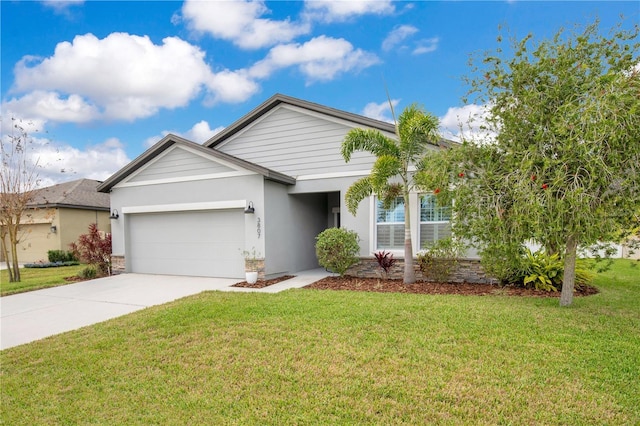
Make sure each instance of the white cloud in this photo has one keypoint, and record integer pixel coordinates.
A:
(468, 122)
(51, 106)
(62, 6)
(240, 22)
(199, 133)
(336, 11)
(381, 111)
(122, 76)
(426, 45)
(230, 86)
(319, 59)
(397, 36)
(59, 162)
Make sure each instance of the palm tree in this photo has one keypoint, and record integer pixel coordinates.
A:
(390, 177)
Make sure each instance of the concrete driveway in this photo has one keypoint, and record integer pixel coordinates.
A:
(37, 314)
(31, 316)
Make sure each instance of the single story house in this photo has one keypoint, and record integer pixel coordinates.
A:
(58, 215)
(271, 181)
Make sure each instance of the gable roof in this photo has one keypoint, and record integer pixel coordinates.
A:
(172, 140)
(278, 99)
(78, 194)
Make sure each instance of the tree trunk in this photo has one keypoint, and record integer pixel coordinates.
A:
(5, 254)
(409, 272)
(13, 241)
(569, 277)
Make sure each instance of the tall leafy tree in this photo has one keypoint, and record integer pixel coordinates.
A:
(390, 176)
(564, 168)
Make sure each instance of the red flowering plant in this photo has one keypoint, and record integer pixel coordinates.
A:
(385, 261)
(94, 248)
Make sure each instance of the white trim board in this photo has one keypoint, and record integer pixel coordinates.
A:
(185, 179)
(186, 207)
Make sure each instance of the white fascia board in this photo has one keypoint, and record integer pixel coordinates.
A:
(186, 207)
(334, 175)
(185, 179)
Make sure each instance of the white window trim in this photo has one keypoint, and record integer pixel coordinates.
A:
(414, 206)
(420, 222)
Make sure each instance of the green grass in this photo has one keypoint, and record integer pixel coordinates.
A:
(37, 278)
(323, 357)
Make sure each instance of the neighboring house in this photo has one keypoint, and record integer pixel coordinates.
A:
(58, 214)
(272, 181)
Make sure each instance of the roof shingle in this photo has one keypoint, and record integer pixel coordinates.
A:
(76, 194)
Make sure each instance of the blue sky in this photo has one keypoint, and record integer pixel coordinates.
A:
(102, 81)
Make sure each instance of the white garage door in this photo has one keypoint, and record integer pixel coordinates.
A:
(202, 243)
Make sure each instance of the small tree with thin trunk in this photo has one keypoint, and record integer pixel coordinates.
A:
(18, 183)
(390, 176)
(564, 168)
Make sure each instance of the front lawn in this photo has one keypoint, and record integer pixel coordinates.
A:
(337, 357)
(37, 278)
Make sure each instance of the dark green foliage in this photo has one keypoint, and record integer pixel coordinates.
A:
(88, 273)
(51, 264)
(439, 260)
(61, 256)
(337, 249)
(558, 163)
(544, 271)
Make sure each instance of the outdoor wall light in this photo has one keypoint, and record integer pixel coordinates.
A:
(114, 214)
(249, 209)
(54, 229)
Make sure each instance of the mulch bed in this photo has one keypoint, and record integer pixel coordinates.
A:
(264, 283)
(396, 286)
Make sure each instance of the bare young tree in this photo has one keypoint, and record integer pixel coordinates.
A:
(18, 183)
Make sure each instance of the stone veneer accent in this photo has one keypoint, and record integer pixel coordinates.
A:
(466, 270)
(117, 265)
(255, 265)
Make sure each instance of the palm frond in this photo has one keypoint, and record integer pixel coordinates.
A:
(368, 140)
(416, 129)
(383, 169)
(357, 192)
(389, 194)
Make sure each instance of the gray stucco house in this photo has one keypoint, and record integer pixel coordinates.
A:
(272, 181)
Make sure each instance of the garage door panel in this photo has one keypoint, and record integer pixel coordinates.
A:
(206, 243)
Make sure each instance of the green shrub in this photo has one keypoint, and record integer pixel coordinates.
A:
(61, 256)
(51, 264)
(543, 271)
(439, 259)
(337, 249)
(88, 273)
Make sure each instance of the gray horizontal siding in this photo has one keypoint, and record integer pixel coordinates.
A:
(179, 163)
(296, 144)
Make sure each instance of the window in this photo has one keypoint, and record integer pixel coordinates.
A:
(434, 221)
(390, 225)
